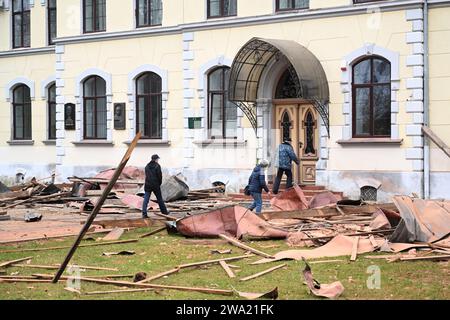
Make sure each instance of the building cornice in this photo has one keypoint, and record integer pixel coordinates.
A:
(27, 52)
(256, 20)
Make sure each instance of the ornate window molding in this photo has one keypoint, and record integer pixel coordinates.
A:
(202, 90)
(132, 76)
(79, 101)
(18, 81)
(369, 50)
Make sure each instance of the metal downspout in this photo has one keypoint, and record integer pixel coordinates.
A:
(426, 105)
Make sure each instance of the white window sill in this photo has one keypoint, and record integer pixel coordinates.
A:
(372, 141)
(49, 142)
(151, 142)
(20, 142)
(93, 143)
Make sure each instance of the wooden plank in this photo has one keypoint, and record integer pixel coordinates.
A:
(66, 247)
(115, 234)
(55, 267)
(438, 141)
(11, 196)
(373, 242)
(441, 257)
(259, 274)
(239, 244)
(160, 275)
(9, 263)
(37, 199)
(324, 261)
(146, 285)
(124, 223)
(118, 291)
(98, 206)
(98, 180)
(202, 263)
(300, 214)
(354, 249)
(153, 232)
(227, 269)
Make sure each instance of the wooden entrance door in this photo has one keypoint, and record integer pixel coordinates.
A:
(299, 122)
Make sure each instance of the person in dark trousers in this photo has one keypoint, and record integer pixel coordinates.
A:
(257, 183)
(153, 181)
(285, 155)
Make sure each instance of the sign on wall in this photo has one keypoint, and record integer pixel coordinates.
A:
(119, 116)
(69, 116)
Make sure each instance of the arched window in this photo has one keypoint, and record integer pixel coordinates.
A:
(51, 105)
(288, 85)
(222, 113)
(94, 107)
(372, 98)
(21, 113)
(148, 13)
(149, 105)
(21, 23)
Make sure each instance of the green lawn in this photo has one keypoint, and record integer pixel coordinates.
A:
(401, 280)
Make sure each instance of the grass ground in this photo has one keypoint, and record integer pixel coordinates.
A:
(401, 280)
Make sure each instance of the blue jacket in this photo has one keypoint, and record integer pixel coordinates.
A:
(257, 181)
(286, 155)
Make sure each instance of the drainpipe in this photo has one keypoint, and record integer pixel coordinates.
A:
(426, 104)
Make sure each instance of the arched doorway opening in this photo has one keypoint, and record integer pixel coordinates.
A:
(283, 90)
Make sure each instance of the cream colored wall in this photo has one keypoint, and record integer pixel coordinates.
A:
(69, 18)
(330, 39)
(38, 25)
(5, 26)
(119, 58)
(35, 68)
(317, 4)
(440, 84)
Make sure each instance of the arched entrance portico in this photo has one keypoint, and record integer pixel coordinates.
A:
(282, 88)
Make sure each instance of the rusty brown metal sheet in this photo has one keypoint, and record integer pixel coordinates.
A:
(323, 199)
(234, 220)
(422, 220)
(290, 200)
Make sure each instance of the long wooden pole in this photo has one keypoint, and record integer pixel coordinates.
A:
(98, 206)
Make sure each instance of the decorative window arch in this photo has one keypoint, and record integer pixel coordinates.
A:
(94, 108)
(149, 105)
(371, 92)
(21, 107)
(222, 114)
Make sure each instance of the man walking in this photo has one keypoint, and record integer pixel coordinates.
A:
(285, 155)
(153, 181)
(256, 183)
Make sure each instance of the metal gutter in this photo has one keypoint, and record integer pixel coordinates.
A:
(426, 102)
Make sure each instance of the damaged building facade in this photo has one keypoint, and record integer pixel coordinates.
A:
(214, 86)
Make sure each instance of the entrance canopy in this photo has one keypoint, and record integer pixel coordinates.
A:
(257, 54)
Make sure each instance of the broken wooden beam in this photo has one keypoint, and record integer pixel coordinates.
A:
(118, 291)
(9, 263)
(441, 257)
(55, 267)
(146, 285)
(160, 275)
(98, 206)
(153, 232)
(438, 141)
(239, 244)
(227, 269)
(259, 274)
(354, 249)
(202, 263)
(66, 247)
(114, 235)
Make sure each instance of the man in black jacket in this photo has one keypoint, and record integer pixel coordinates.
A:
(153, 181)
